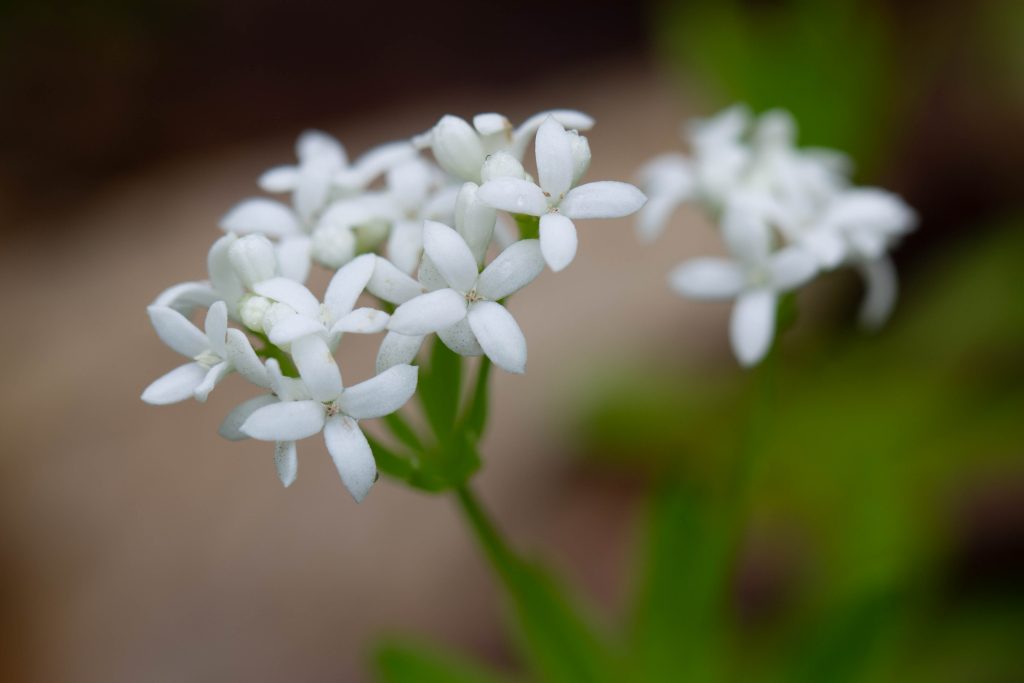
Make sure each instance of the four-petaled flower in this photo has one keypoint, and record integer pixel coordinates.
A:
(555, 200)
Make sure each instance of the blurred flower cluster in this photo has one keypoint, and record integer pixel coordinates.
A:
(415, 223)
(785, 214)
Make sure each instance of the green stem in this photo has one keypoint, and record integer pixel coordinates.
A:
(498, 553)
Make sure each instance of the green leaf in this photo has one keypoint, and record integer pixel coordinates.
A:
(404, 662)
(557, 640)
(842, 649)
(439, 387)
(678, 623)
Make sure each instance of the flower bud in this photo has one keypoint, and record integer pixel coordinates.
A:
(334, 245)
(457, 148)
(252, 310)
(495, 131)
(274, 314)
(253, 259)
(580, 155)
(502, 165)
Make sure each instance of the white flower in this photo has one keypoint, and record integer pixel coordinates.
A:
(305, 316)
(418, 190)
(462, 149)
(754, 277)
(285, 389)
(335, 411)
(214, 354)
(555, 200)
(464, 312)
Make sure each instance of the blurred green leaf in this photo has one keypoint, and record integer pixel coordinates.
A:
(440, 384)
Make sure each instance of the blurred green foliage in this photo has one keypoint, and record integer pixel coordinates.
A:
(870, 441)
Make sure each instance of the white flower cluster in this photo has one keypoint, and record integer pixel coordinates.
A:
(451, 281)
(786, 214)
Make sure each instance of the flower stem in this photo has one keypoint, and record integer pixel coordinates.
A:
(498, 553)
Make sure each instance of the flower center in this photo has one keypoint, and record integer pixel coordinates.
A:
(207, 359)
(332, 408)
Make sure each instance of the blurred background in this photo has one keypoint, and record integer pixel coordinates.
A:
(885, 535)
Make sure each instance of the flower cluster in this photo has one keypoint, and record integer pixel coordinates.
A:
(416, 224)
(785, 214)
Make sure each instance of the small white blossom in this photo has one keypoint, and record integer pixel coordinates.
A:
(461, 149)
(755, 276)
(335, 413)
(464, 311)
(555, 200)
(215, 352)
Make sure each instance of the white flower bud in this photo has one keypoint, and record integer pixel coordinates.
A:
(370, 234)
(457, 148)
(580, 155)
(502, 165)
(252, 310)
(274, 314)
(253, 259)
(334, 245)
(474, 220)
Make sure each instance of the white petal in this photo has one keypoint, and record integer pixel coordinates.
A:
(603, 199)
(347, 284)
(187, 296)
(216, 327)
(293, 257)
(491, 124)
(651, 220)
(279, 179)
(827, 246)
(457, 148)
(405, 245)
(409, 183)
(554, 158)
(213, 377)
(502, 165)
(882, 285)
(380, 395)
(428, 312)
(253, 258)
(261, 215)
(351, 454)
(513, 269)
(314, 187)
(430, 277)
(376, 161)
(499, 335)
(316, 144)
(289, 292)
(745, 228)
(285, 421)
(293, 327)
(791, 267)
(316, 365)
(708, 278)
(286, 460)
(175, 386)
(177, 332)
(230, 428)
(391, 284)
(244, 358)
(580, 155)
(451, 255)
(752, 325)
(460, 339)
(557, 240)
(514, 195)
(333, 245)
(362, 321)
(222, 274)
(397, 349)
(474, 220)
(569, 118)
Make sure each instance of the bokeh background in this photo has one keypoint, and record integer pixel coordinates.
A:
(885, 534)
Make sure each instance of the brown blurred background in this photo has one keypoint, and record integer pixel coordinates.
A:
(137, 545)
